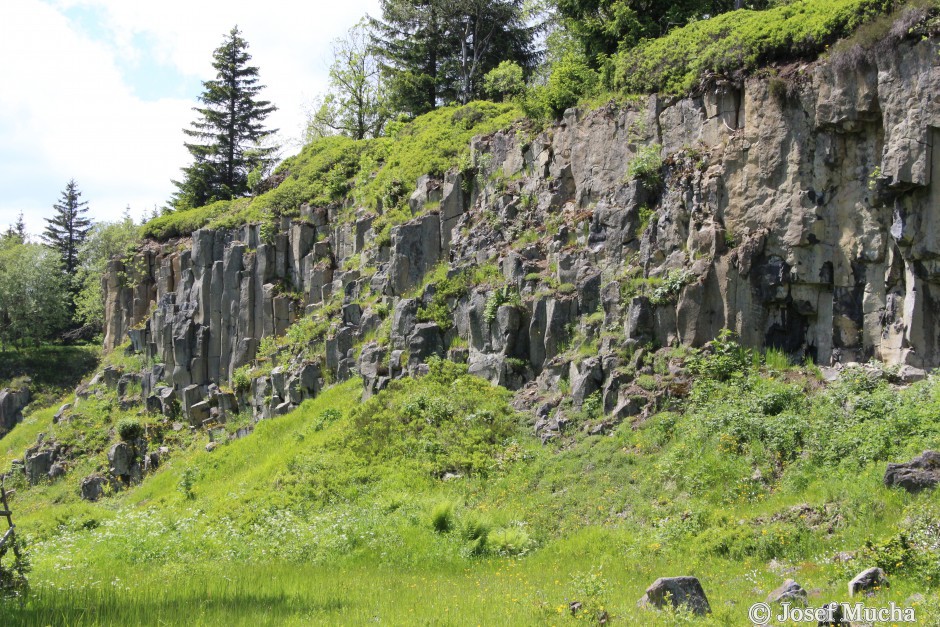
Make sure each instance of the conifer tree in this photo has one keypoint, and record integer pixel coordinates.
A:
(229, 134)
(17, 231)
(438, 51)
(67, 230)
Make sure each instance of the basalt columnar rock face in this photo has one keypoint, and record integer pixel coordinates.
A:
(12, 402)
(800, 211)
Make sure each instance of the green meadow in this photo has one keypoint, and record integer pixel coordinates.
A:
(432, 504)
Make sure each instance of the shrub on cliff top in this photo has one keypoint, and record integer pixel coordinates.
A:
(740, 40)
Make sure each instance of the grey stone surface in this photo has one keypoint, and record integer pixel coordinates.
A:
(775, 228)
(868, 580)
(678, 591)
(788, 592)
(921, 473)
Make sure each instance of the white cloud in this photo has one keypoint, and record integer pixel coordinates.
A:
(67, 109)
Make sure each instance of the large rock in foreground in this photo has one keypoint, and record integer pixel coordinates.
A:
(12, 402)
(921, 473)
(679, 591)
(869, 579)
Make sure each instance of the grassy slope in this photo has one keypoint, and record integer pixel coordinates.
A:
(379, 172)
(327, 515)
(54, 370)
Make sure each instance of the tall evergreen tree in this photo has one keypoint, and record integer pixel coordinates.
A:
(229, 134)
(17, 231)
(437, 51)
(410, 39)
(67, 230)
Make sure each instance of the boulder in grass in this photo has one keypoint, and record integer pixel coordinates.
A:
(788, 592)
(921, 473)
(677, 591)
(868, 579)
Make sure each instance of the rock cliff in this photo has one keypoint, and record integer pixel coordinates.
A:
(795, 208)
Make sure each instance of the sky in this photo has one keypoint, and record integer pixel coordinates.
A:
(100, 90)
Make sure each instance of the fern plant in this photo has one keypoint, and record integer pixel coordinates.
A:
(496, 299)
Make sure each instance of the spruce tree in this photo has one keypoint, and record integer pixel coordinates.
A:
(67, 230)
(17, 231)
(229, 132)
(437, 51)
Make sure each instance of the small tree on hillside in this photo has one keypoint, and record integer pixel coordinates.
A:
(229, 136)
(67, 230)
(355, 105)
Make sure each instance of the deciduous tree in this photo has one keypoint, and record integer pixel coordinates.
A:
(356, 104)
(34, 294)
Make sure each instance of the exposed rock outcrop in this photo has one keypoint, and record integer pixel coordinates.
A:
(805, 223)
(921, 473)
(870, 579)
(12, 403)
(677, 592)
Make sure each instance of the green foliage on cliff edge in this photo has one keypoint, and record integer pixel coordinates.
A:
(379, 173)
(740, 40)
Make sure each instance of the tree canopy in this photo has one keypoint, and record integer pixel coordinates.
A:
(105, 241)
(33, 293)
(229, 134)
(356, 105)
(437, 52)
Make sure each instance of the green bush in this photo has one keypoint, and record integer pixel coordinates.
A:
(442, 517)
(571, 79)
(452, 288)
(495, 300)
(739, 40)
(647, 165)
(326, 418)
(187, 482)
(508, 541)
(241, 378)
(129, 429)
(444, 422)
(669, 288)
(593, 406)
(505, 81)
(475, 530)
(914, 551)
(722, 359)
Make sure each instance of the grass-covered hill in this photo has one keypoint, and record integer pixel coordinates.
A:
(432, 503)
